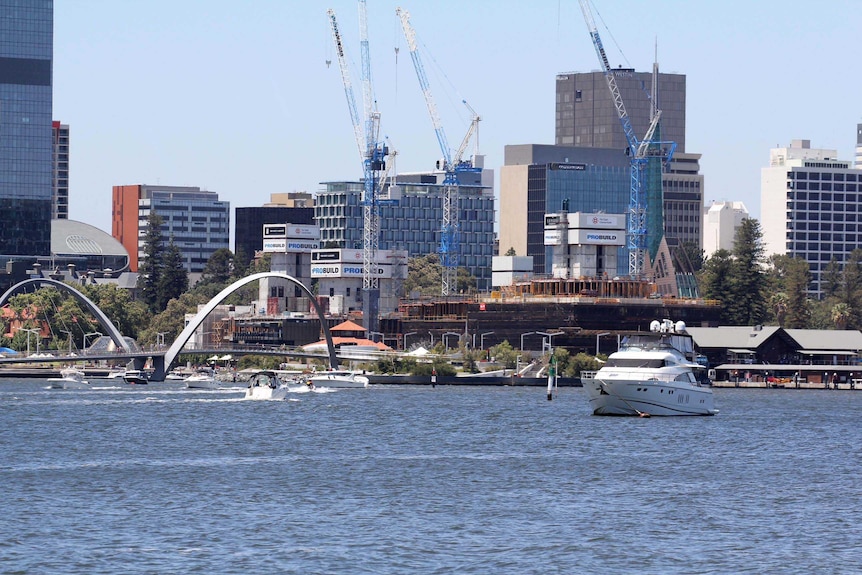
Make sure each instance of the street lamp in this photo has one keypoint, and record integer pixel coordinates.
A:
(404, 338)
(523, 335)
(29, 331)
(446, 341)
(550, 337)
(86, 335)
(68, 333)
(598, 335)
(482, 339)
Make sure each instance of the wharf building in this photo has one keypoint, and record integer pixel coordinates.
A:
(196, 220)
(292, 207)
(810, 207)
(411, 215)
(26, 149)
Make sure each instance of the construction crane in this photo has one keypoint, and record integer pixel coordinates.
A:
(373, 154)
(451, 165)
(639, 153)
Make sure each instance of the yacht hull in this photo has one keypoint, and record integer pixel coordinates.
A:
(661, 398)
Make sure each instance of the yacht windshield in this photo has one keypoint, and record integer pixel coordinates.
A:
(634, 362)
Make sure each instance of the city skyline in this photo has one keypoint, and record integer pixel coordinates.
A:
(239, 99)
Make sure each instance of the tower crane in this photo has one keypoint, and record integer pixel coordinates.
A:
(373, 154)
(639, 153)
(451, 165)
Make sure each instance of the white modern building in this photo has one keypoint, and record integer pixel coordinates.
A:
(290, 247)
(859, 146)
(584, 245)
(720, 222)
(339, 278)
(810, 206)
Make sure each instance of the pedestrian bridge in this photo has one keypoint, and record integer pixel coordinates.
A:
(163, 360)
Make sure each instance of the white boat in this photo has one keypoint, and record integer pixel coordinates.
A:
(116, 373)
(70, 378)
(203, 378)
(652, 374)
(337, 378)
(136, 377)
(267, 385)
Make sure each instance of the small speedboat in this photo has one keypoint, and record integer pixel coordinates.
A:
(336, 378)
(203, 378)
(70, 378)
(267, 385)
(136, 377)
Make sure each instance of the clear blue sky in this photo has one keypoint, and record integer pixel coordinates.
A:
(236, 97)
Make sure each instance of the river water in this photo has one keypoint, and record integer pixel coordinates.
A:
(414, 479)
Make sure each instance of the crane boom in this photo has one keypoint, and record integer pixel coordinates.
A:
(348, 86)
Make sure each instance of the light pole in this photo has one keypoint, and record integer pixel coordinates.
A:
(86, 335)
(482, 339)
(68, 333)
(550, 337)
(446, 341)
(431, 333)
(373, 333)
(160, 339)
(404, 339)
(523, 335)
(29, 331)
(598, 335)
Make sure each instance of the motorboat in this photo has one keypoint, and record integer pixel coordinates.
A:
(202, 378)
(70, 378)
(267, 385)
(653, 373)
(136, 377)
(337, 378)
(116, 373)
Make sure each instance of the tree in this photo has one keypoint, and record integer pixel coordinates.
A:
(219, 268)
(831, 279)
(174, 280)
(504, 354)
(130, 317)
(747, 304)
(150, 267)
(715, 280)
(841, 314)
(690, 255)
(511, 252)
(788, 281)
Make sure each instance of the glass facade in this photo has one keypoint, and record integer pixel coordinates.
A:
(26, 148)
(413, 223)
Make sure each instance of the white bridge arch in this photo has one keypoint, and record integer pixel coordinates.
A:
(186, 334)
(106, 323)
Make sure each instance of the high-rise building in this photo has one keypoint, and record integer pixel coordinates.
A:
(60, 197)
(859, 146)
(26, 149)
(289, 208)
(587, 116)
(411, 217)
(720, 222)
(194, 219)
(809, 203)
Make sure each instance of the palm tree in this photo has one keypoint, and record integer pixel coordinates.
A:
(779, 302)
(841, 313)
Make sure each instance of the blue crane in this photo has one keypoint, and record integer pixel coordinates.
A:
(451, 165)
(639, 152)
(373, 154)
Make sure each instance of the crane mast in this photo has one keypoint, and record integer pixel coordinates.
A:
(450, 226)
(373, 154)
(639, 152)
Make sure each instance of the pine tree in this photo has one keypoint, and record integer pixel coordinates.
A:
(714, 280)
(747, 304)
(150, 267)
(174, 281)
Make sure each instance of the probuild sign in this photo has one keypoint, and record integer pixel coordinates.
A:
(288, 245)
(347, 270)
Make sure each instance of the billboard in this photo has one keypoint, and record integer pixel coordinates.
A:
(347, 270)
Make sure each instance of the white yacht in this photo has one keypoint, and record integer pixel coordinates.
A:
(652, 374)
(337, 378)
(70, 378)
(202, 378)
(136, 377)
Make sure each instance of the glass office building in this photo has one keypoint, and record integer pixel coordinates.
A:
(412, 221)
(26, 147)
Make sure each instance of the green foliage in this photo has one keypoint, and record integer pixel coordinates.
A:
(747, 304)
(219, 268)
(440, 365)
(690, 255)
(259, 362)
(504, 354)
(174, 280)
(425, 275)
(580, 362)
(150, 267)
(511, 252)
